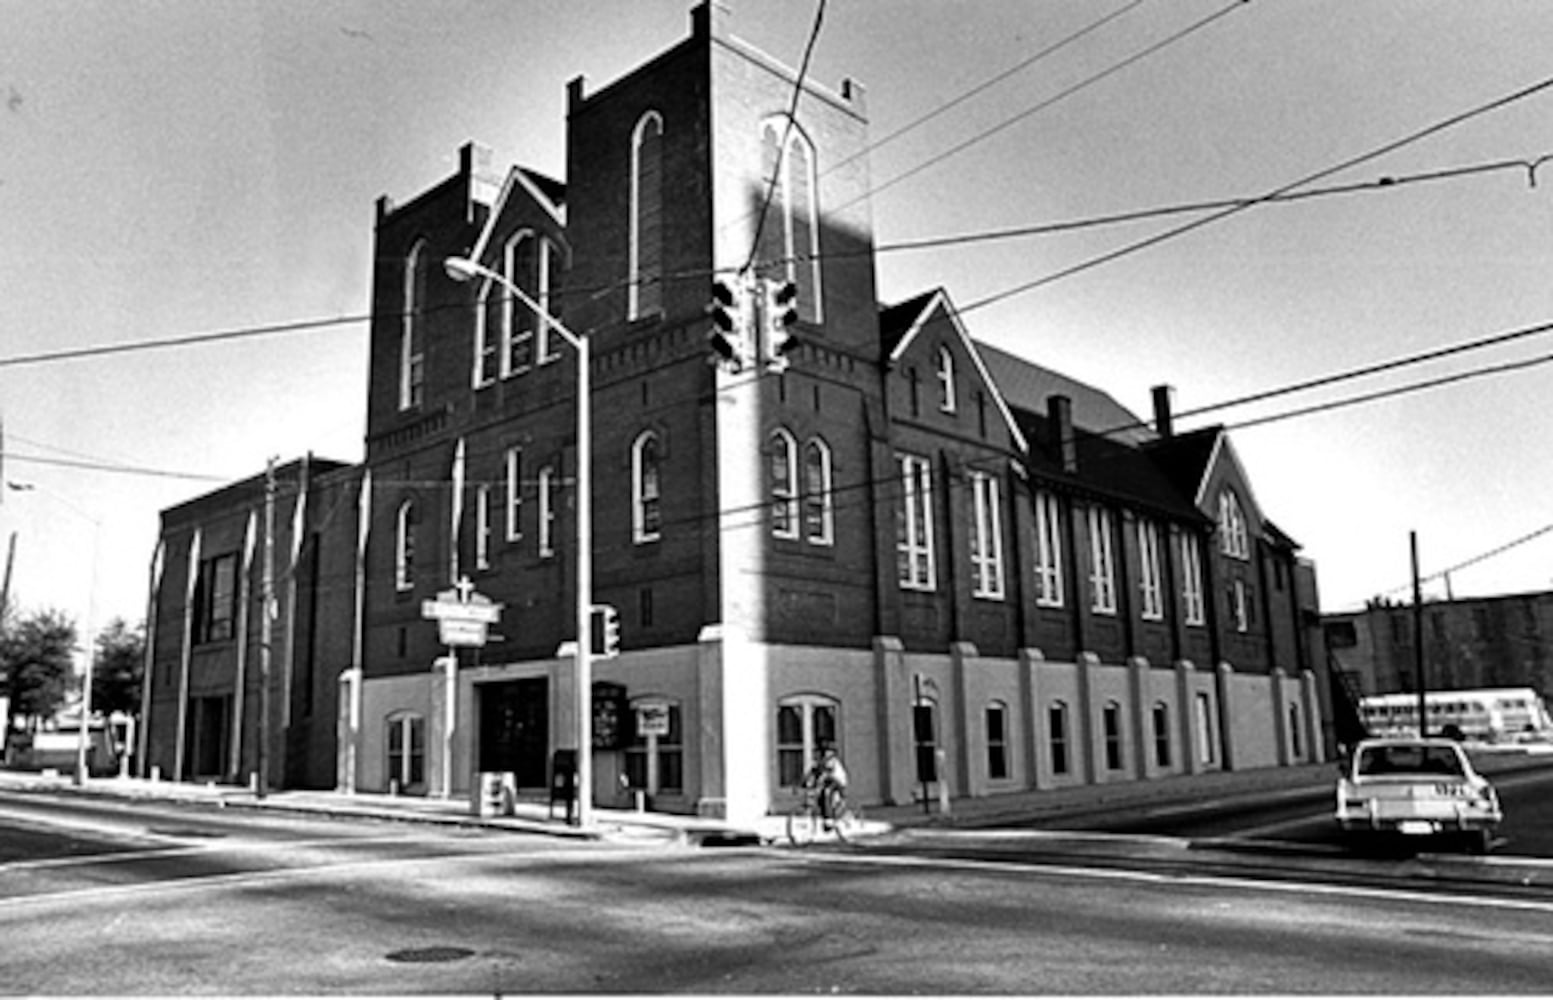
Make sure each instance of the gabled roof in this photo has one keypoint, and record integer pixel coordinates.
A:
(548, 193)
(899, 325)
(1105, 466)
(1186, 458)
(1028, 385)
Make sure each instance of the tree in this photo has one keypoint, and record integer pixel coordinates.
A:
(35, 654)
(117, 668)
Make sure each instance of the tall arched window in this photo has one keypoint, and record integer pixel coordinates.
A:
(1232, 527)
(646, 489)
(1057, 736)
(790, 233)
(644, 289)
(1111, 722)
(482, 527)
(412, 349)
(997, 740)
(818, 527)
(783, 459)
(1161, 715)
(404, 546)
(516, 320)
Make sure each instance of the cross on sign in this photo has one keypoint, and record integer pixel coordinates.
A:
(464, 588)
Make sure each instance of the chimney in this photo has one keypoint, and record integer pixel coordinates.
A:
(1164, 405)
(475, 162)
(1059, 410)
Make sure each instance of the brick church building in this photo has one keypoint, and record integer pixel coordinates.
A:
(956, 565)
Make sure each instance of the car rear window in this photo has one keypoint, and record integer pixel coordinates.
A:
(1409, 760)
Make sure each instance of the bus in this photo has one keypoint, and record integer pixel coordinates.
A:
(1489, 715)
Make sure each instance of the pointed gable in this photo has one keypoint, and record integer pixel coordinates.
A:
(523, 191)
(929, 328)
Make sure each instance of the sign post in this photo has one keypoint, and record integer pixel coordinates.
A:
(463, 618)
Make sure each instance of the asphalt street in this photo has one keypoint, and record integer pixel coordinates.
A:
(152, 898)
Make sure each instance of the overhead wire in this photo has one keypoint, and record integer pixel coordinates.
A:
(1308, 179)
(787, 133)
(1055, 99)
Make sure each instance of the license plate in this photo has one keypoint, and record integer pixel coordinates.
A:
(1415, 827)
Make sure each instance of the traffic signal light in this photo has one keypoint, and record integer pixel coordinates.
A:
(606, 631)
(730, 312)
(781, 314)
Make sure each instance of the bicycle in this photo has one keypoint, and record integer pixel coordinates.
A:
(807, 820)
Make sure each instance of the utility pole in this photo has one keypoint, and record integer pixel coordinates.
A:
(1418, 637)
(266, 612)
(5, 589)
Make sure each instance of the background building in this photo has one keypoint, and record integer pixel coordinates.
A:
(1476, 642)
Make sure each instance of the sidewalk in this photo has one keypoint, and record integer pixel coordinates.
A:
(624, 825)
(1043, 806)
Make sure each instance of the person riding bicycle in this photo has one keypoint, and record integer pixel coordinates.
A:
(828, 777)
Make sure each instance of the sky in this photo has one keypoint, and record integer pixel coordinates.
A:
(172, 168)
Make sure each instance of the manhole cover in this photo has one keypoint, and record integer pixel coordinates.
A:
(438, 953)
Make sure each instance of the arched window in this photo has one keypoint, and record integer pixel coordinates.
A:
(412, 348)
(483, 527)
(644, 289)
(1161, 734)
(997, 741)
(1296, 742)
(406, 746)
(534, 264)
(817, 508)
(986, 537)
(783, 459)
(803, 724)
(1048, 550)
(646, 489)
(1204, 719)
(1111, 721)
(404, 546)
(946, 401)
(1058, 736)
(1232, 527)
(790, 233)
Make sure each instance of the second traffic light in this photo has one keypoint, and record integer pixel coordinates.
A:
(781, 312)
(729, 337)
(606, 631)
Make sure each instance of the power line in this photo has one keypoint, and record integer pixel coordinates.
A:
(1371, 397)
(787, 133)
(184, 341)
(1319, 175)
(1384, 183)
(985, 85)
(1049, 102)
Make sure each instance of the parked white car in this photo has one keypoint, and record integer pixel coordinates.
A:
(1417, 787)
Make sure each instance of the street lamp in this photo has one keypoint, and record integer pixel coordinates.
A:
(462, 269)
